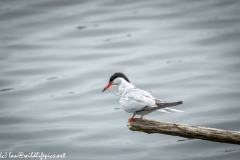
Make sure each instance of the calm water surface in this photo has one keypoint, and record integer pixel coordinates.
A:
(56, 56)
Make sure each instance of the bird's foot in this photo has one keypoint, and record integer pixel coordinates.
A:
(130, 119)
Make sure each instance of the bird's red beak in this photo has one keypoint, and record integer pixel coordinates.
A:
(107, 86)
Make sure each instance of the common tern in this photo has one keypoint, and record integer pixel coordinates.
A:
(137, 101)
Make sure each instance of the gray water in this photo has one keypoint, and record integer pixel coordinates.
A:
(56, 57)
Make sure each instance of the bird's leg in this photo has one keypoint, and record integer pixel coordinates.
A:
(141, 117)
(130, 119)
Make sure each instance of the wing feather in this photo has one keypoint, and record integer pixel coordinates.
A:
(135, 100)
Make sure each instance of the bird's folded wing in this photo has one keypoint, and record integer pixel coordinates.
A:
(142, 92)
(133, 101)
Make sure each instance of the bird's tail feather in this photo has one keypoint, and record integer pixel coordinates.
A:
(174, 110)
(162, 110)
(162, 104)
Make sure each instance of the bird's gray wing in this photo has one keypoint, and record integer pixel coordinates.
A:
(144, 93)
(133, 101)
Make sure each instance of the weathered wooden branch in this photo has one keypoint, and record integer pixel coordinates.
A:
(184, 130)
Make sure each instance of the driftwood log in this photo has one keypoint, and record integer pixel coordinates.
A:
(184, 130)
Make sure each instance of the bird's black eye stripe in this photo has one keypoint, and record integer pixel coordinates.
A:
(112, 78)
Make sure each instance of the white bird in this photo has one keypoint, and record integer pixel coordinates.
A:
(137, 101)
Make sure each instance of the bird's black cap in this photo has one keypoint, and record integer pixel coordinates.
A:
(116, 75)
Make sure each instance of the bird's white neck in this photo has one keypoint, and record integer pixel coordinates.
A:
(124, 86)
